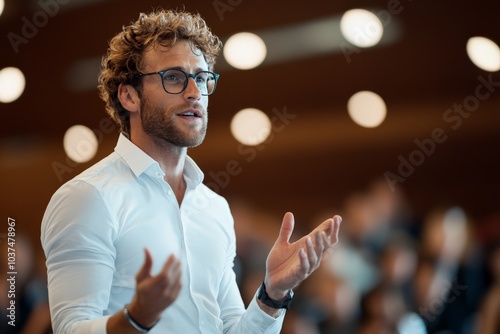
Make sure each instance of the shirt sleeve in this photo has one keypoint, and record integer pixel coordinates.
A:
(236, 319)
(77, 236)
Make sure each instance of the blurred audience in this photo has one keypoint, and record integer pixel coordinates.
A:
(391, 272)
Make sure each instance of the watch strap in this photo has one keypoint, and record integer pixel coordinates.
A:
(134, 323)
(264, 298)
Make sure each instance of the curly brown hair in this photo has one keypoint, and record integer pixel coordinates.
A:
(125, 53)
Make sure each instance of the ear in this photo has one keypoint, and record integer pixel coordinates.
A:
(129, 98)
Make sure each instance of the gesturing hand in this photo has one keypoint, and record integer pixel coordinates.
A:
(155, 293)
(288, 264)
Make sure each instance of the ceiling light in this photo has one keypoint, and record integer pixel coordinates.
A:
(484, 53)
(367, 109)
(361, 27)
(12, 83)
(250, 126)
(80, 143)
(245, 51)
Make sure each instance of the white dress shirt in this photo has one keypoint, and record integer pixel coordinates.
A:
(97, 225)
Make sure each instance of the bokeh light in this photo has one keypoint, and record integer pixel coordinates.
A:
(484, 53)
(361, 28)
(367, 109)
(80, 143)
(12, 83)
(251, 126)
(245, 51)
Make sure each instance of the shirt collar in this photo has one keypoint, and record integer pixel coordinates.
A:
(139, 162)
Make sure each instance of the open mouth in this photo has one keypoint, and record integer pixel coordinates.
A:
(190, 113)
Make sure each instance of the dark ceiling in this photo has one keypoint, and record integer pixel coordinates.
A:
(319, 156)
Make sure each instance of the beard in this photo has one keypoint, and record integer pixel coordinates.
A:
(162, 128)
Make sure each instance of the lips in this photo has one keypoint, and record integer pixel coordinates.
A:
(190, 113)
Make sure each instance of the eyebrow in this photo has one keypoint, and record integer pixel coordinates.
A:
(198, 69)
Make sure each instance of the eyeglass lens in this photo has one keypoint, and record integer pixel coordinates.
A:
(175, 81)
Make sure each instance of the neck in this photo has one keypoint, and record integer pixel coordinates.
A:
(171, 159)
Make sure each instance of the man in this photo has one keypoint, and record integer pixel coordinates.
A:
(137, 243)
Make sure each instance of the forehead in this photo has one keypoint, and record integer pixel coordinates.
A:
(181, 54)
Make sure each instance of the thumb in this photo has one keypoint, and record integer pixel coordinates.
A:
(145, 270)
(286, 229)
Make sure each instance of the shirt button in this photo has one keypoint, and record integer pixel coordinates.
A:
(158, 174)
(170, 193)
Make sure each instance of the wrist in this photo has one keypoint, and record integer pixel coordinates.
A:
(134, 319)
(274, 293)
(277, 300)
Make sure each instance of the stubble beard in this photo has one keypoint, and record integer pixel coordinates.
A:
(160, 126)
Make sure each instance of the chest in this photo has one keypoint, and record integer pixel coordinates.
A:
(200, 237)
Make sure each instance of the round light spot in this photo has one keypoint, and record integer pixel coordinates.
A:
(2, 6)
(245, 51)
(484, 53)
(80, 143)
(367, 109)
(250, 126)
(361, 27)
(12, 83)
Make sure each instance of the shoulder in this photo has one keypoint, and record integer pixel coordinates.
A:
(85, 194)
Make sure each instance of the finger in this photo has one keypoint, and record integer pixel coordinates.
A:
(286, 229)
(175, 288)
(173, 279)
(166, 286)
(145, 270)
(164, 276)
(326, 226)
(311, 255)
(175, 271)
(320, 242)
(171, 260)
(304, 262)
(334, 236)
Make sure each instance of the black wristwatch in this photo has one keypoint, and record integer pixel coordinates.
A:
(263, 297)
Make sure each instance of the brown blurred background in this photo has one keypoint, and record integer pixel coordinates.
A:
(320, 158)
(321, 155)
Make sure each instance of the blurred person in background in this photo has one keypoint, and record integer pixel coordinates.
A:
(488, 320)
(389, 306)
(449, 281)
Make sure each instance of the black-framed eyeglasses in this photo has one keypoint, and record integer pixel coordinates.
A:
(175, 80)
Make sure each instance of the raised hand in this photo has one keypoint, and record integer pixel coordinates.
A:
(288, 264)
(155, 293)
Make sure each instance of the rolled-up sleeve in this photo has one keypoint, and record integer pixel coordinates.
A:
(77, 235)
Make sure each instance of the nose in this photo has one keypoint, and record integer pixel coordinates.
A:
(192, 92)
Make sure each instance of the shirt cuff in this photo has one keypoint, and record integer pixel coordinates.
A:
(261, 319)
(95, 326)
